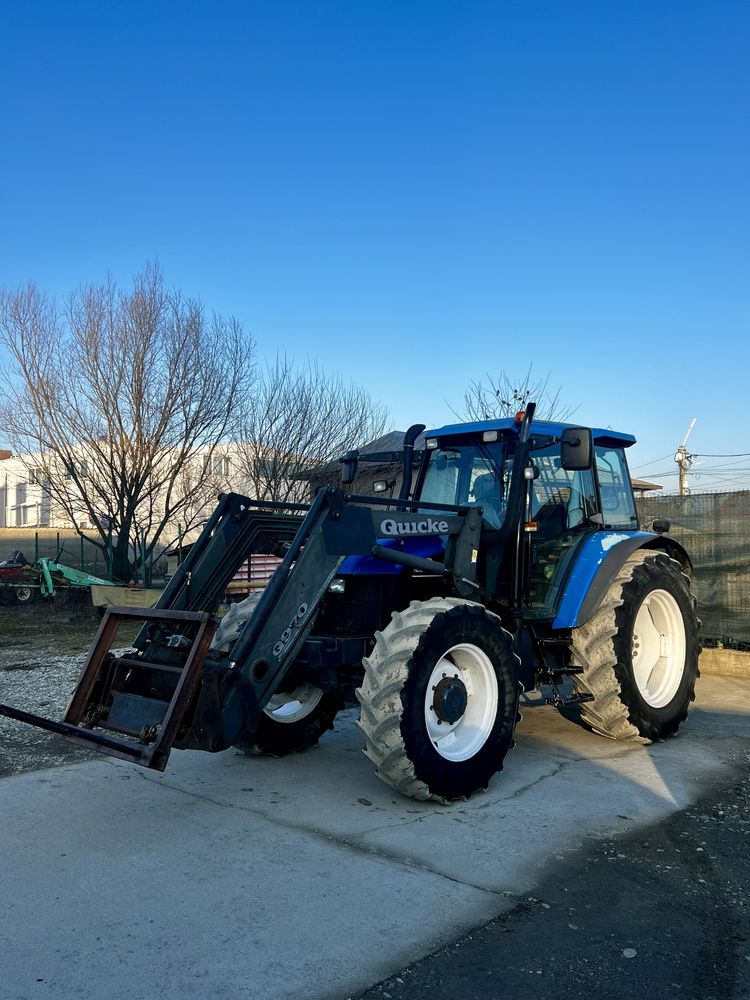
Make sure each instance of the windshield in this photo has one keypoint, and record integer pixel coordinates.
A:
(470, 474)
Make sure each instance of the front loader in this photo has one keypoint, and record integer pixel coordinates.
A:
(510, 560)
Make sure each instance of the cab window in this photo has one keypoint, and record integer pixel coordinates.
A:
(469, 474)
(441, 481)
(618, 505)
(560, 496)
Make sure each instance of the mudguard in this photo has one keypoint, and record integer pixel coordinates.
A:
(599, 562)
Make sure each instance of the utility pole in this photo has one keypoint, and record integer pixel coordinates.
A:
(684, 461)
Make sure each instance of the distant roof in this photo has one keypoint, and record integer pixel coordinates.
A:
(393, 441)
(601, 435)
(644, 486)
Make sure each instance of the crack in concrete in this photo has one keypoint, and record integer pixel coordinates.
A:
(351, 844)
(542, 777)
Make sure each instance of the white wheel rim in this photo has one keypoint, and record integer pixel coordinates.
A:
(463, 738)
(659, 646)
(292, 706)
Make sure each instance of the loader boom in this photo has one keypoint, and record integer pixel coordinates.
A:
(170, 691)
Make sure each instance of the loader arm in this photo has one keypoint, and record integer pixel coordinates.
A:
(336, 526)
(169, 690)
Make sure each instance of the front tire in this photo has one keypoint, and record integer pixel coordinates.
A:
(291, 722)
(639, 652)
(439, 699)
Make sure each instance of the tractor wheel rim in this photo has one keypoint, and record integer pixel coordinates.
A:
(659, 646)
(23, 594)
(292, 706)
(470, 667)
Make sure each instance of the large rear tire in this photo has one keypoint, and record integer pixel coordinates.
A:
(639, 652)
(439, 699)
(293, 720)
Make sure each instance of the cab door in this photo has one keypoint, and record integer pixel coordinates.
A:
(560, 506)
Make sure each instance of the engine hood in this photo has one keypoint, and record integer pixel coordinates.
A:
(427, 548)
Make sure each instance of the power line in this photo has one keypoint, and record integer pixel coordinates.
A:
(739, 454)
(723, 470)
(663, 457)
(700, 470)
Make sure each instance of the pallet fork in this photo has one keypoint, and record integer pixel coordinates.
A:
(150, 724)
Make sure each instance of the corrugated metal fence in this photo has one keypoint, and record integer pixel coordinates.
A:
(715, 530)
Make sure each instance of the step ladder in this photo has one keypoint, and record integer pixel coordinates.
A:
(106, 713)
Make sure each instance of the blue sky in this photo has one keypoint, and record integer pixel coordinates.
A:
(414, 193)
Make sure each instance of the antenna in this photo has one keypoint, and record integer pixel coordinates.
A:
(684, 461)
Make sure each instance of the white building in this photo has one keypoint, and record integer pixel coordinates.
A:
(23, 501)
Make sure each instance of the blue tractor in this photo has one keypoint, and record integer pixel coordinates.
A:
(510, 560)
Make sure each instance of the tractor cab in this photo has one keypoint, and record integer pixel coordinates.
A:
(571, 483)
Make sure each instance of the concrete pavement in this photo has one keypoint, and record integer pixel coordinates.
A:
(306, 877)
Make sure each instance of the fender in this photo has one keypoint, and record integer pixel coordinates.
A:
(599, 562)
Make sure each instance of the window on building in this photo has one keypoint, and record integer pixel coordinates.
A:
(21, 515)
(217, 465)
(79, 469)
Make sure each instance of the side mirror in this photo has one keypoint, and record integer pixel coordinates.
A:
(576, 448)
(349, 467)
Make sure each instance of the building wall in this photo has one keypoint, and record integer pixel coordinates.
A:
(24, 503)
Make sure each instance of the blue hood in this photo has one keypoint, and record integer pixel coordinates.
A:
(427, 548)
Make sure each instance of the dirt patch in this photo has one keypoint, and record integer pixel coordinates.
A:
(42, 649)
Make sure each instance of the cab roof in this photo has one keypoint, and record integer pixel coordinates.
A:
(602, 436)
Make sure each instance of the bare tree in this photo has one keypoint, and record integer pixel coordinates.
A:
(124, 396)
(298, 420)
(504, 395)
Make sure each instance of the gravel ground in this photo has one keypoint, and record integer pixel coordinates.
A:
(42, 651)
